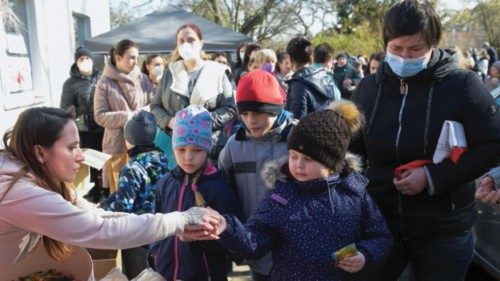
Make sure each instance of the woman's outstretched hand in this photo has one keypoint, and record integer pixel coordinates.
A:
(202, 224)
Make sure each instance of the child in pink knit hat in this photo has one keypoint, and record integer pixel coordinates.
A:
(195, 181)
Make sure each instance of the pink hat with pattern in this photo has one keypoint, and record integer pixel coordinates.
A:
(193, 126)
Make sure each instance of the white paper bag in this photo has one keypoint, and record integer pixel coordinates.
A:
(78, 265)
(452, 136)
(94, 158)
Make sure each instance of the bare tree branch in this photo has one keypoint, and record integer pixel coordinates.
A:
(214, 8)
(143, 4)
(257, 18)
(262, 19)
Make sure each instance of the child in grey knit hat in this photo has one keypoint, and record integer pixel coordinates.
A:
(136, 192)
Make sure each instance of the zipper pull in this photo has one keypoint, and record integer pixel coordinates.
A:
(403, 87)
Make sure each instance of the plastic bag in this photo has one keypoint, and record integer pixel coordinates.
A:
(149, 275)
(115, 274)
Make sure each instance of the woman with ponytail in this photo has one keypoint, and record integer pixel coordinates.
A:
(41, 155)
(195, 181)
(122, 91)
(310, 88)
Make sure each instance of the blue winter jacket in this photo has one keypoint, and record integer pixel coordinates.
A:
(309, 90)
(137, 182)
(303, 223)
(192, 261)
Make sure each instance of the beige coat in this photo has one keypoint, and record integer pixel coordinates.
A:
(30, 211)
(117, 96)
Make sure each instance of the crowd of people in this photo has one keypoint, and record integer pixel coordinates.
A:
(281, 158)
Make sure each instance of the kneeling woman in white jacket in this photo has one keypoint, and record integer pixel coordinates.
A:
(41, 155)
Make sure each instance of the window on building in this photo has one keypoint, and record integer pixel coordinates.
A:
(81, 26)
(17, 69)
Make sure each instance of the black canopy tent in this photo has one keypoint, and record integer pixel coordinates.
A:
(155, 33)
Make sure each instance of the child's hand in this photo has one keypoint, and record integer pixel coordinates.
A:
(197, 218)
(202, 224)
(194, 235)
(353, 264)
(171, 123)
(486, 193)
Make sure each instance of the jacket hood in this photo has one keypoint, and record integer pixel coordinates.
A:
(277, 170)
(442, 63)
(9, 167)
(278, 130)
(315, 79)
(111, 72)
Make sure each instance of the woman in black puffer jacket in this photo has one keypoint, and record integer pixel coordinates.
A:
(430, 208)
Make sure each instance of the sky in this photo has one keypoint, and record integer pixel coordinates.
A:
(457, 4)
(449, 4)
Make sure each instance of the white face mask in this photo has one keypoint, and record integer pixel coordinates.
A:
(190, 51)
(85, 66)
(158, 71)
(242, 55)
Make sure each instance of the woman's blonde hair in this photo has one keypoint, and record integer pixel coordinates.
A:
(263, 56)
(39, 126)
(484, 55)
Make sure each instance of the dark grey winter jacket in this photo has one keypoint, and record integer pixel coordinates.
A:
(78, 91)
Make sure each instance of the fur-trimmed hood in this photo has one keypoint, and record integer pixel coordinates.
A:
(277, 170)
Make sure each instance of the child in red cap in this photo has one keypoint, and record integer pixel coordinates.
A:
(262, 137)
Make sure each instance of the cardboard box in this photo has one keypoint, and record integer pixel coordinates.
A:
(78, 265)
(94, 159)
(104, 261)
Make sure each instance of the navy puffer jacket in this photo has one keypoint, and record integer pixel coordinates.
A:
(309, 90)
(192, 261)
(303, 223)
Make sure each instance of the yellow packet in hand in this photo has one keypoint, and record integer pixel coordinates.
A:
(348, 251)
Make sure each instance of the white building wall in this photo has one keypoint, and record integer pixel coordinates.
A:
(52, 47)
